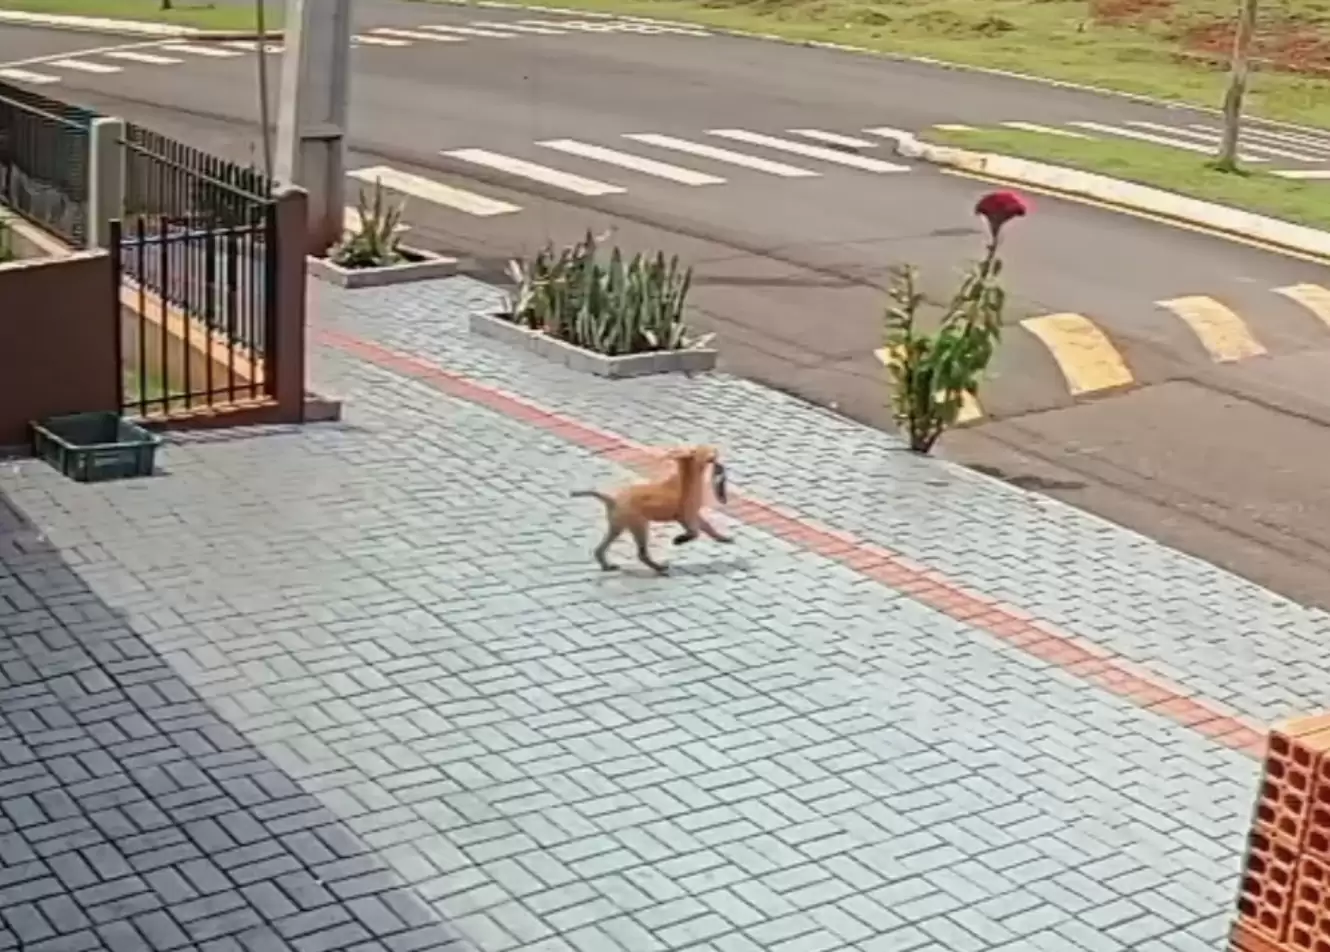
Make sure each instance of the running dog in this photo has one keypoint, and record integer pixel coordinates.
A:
(673, 498)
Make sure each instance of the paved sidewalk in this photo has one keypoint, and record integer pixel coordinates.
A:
(361, 686)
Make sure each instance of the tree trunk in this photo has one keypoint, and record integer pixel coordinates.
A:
(1227, 160)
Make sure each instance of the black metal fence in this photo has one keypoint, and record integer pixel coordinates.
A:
(44, 161)
(196, 266)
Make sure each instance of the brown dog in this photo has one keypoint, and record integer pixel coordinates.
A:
(677, 498)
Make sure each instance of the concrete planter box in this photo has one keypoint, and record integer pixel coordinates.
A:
(499, 327)
(419, 266)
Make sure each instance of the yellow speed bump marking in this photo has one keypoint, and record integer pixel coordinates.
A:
(1221, 332)
(970, 409)
(1086, 357)
(1311, 296)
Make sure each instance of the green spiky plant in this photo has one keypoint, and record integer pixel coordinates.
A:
(932, 372)
(376, 242)
(620, 306)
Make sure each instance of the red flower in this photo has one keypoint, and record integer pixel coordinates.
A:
(1000, 208)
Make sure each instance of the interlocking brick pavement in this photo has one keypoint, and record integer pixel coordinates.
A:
(361, 686)
(1223, 637)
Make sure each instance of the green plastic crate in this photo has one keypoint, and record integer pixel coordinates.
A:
(94, 447)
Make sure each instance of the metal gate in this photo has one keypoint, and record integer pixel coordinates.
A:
(195, 263)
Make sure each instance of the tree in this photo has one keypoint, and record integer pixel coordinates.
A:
(1239, 69)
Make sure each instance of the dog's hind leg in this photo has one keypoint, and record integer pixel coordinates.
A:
(640, 535)
(611, 533)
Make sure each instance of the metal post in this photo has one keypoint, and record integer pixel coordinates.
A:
(311, 126)
(106, 179)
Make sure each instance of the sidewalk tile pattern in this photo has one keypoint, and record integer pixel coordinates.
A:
(1225, 638)
(360, 686)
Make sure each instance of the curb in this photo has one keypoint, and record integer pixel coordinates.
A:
(107, 26)
(1121, 194)
(888, 55)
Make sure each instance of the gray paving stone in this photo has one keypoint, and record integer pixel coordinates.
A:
(438, 727)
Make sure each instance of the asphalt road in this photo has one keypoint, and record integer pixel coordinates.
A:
(1219, 459)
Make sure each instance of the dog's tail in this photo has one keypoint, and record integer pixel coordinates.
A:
(593, 494)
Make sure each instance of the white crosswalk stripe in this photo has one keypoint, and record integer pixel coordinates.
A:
(626, 160)
(834, 138)
(84, 66)
(1044, 130)
(811, 151)
(395, 33)
(27, 76)
(436, 193)
(519, 28)
(721, 155)
(1212, 139)
(537, 173)
(1152, 138)
(138, 56)
(368, 40)
(252, 46)
(194, 49)
(471, 31)
(1295, 140)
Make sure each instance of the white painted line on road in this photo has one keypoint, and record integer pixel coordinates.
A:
(216, 52)
(469, 31)
(434, 192)
(1311, 296)
(663, 170)
(1312, 174)
(1220, 331)
(953, 127)
(417, 35)
(252, 46)
(85, 66)
(811, 151)
(720, 155)
(1213, 139)
(134, 56)
(834, 138)
(896, 135)
(24, 76)
(377, 40)
(538, 173)
(1297, 140)
(519, 27)
(1153, 139)
(1044, 130)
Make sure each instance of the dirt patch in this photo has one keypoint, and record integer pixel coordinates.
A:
(1287, 46)
(1129, 11)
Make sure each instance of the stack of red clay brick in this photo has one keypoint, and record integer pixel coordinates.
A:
(1284, 898)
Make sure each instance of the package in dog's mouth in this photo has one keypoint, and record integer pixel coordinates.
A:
(718, 481)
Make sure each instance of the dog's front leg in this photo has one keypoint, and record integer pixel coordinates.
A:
(688, 535)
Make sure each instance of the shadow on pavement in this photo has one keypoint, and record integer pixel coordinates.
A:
(133, 817)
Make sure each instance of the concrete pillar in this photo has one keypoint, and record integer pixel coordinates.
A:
(106, 178)
(312, 113)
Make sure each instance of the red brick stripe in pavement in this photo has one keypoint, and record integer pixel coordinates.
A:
(1009, 624)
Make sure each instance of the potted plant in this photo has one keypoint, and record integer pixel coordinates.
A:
(618, 317)
(371, 254)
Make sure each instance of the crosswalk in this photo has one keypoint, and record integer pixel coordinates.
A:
(1091, 363)
(1267, 147)
(637, 158)
(54, 69)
